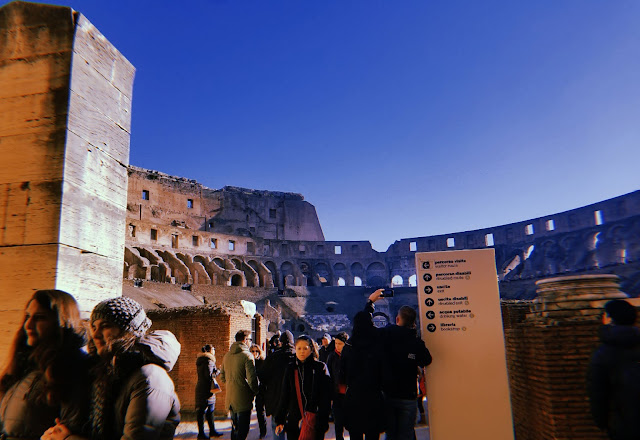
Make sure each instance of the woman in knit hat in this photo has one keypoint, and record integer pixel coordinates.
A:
(132, 394)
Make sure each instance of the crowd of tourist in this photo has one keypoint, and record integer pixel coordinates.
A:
(64, 383)
(367, 383)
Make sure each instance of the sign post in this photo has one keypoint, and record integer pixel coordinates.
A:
(461, 323)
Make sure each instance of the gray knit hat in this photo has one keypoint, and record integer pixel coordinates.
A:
(125, 313)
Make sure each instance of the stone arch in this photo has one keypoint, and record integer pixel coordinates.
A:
(219, 262)
(357, 281)
(305, 268)
(376, 274)
(288, 274)
(271, 266)
(256, 267)
(357, 270)
(340, 273)
(397, 281)
(237, 263)
(323, 273)
(236, 280)
(413, 280)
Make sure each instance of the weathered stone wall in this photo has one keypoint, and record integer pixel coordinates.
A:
(251, 226)
(65, 100)
(602, 237)
(195, 327)
(164, 200)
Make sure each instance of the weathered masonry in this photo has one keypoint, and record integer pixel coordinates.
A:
(65, 101)
(182, 232)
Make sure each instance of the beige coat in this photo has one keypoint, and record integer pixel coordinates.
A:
(239, 374)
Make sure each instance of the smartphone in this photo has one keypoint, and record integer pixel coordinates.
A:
(387, 293)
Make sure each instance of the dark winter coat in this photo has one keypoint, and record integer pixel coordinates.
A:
(271, 375)
(145, 405)
(259, 401)
(324, 352)
(363, 366)
(364, 401)
(315, 386)
(239, 374)
(207, 371)
(404, 353)
(334, 364)
(615, 408)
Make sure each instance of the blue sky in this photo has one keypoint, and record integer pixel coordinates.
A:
(394, 118)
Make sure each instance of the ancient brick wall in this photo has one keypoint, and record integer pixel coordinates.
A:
(547, 364)
(195, 327)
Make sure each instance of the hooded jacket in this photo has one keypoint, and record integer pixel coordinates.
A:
(207, 371)
(615, 408)
(239, 374)
(146, 405)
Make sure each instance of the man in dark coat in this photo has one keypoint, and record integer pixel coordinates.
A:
(271, 376)
(404, 352)
(326, 348)
(614, 373)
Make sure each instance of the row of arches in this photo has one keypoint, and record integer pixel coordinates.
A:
(178, 267)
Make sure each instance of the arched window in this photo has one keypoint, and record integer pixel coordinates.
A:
(341, 282)
(357, 281)
(413, 281)
(397, 281)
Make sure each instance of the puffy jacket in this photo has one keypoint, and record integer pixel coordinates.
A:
(147, 407)
(239, 374)
(206, 368)
(616, 408)
(271, 375)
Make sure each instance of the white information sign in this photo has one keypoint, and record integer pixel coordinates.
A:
(461, 323)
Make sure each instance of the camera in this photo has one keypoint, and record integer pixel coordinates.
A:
(387, 293)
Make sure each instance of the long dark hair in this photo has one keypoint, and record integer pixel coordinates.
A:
(52, 358)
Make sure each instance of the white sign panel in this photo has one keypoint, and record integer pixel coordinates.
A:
(461, 323)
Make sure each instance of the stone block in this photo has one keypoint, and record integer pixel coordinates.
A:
(32, 157)
(30, 211)
(100, 93)
(88, 276)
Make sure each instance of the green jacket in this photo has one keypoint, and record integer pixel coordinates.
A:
(239, 374)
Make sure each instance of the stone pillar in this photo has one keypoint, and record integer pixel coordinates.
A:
(65, 101)
(548, 353)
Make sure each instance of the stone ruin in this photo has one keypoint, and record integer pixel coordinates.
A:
(190, 254)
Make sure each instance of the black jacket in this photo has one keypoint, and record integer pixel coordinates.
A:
(363, 369)
(404, 352)
(315, 389)
(335, 366)
(615, 405)
(271, 376)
